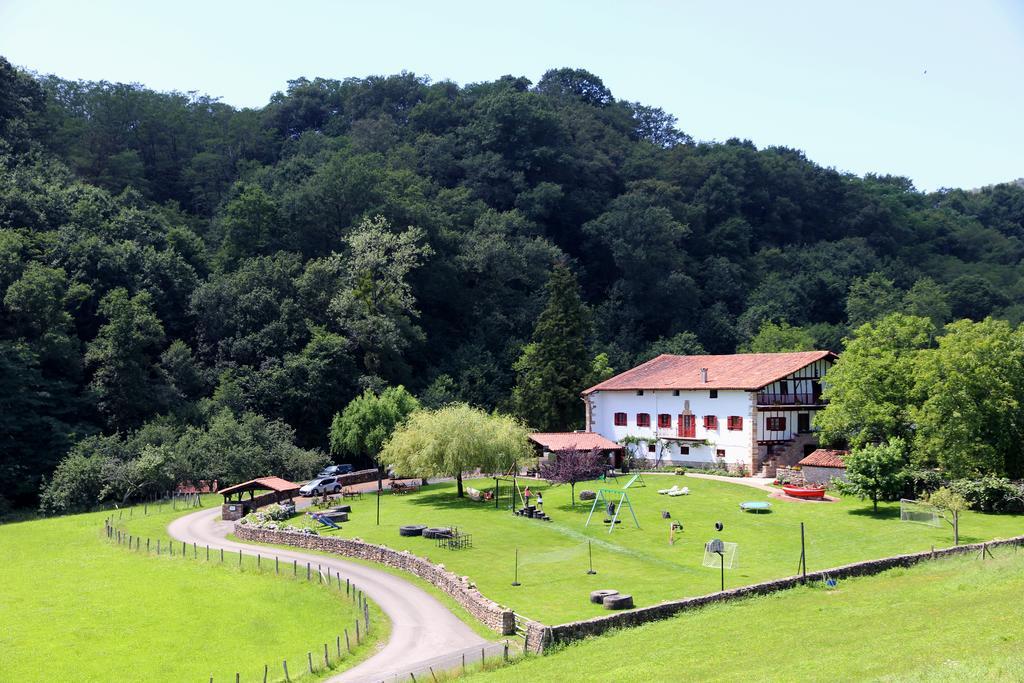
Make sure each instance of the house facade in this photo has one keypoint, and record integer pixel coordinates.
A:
(745, 412)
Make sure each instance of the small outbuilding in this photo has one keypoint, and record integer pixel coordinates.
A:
(823, 465)
(548, 443)
(236, 505)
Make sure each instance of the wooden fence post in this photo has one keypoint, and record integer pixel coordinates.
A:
(266, 670)
(286, 677)
(327, 662)
(357, 631)
(348, 645)
(338, 646)
(309, 657)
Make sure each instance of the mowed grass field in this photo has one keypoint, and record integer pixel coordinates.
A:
(950, 620)
(553, 557)
(76, 607)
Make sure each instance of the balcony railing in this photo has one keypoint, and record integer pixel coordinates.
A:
(777, 399)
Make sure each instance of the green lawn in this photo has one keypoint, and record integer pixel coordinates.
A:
(553, 556)
(949, 620)
(75, 606)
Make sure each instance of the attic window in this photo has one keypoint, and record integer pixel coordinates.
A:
(675, 392)
(713, 393)
(639, 392)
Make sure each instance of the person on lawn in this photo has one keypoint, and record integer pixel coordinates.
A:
(526, 496)
(540, 502)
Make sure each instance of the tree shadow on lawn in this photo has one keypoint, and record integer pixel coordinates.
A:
(868, 511)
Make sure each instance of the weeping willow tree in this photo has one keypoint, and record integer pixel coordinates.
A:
(453, 439)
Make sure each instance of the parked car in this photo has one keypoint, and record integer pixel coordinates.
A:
(319, 487)
(335, 470)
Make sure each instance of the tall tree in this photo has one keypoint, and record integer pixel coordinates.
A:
(553, 367)
(367, 422)
(123, 358)
(455, 439)
(972, 418)
(779, 337)
(870, 389)
(375, 306)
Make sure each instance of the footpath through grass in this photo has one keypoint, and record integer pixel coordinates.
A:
(75, 606)
(553, 557)
(949, 620)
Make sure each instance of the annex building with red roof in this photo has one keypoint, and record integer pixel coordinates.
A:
(746, 412)
(823, 465)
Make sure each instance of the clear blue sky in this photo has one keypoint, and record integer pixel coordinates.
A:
(933, 90)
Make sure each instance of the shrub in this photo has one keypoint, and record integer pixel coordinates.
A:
(588, 495)
(921, 482)
(990, 493)
(680, 471)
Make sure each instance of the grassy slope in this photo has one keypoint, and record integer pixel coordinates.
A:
(76, 607)
(553, 556)
(948, 620)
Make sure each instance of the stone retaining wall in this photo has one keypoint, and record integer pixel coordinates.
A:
(540, 637)
(792, 475)
(488, 612)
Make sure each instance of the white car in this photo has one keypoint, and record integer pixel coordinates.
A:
(319, 487)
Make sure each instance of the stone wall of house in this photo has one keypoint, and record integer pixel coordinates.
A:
(464, 592)
(540, 637)
(823, 475)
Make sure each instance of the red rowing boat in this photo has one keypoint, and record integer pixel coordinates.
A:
(810, 492)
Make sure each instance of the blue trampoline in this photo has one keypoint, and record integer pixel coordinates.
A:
(757, 506)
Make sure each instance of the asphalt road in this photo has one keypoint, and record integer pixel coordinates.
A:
(422, 629)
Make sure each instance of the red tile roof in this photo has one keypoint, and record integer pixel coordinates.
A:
(823, 457)
(568, 441)
(747, 371)
(262, 484)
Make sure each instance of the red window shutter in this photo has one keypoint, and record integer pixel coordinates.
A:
(620, 419)
(735, 422)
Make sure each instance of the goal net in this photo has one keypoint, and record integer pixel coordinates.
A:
(730, 552)
(920, 513)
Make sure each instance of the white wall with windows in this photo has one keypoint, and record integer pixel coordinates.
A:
(705, 416)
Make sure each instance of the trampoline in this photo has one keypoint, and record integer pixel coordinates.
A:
(757, 506)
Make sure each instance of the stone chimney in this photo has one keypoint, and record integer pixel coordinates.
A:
(704, 375)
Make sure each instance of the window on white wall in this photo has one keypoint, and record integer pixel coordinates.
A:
(620, 419)
(713, 393)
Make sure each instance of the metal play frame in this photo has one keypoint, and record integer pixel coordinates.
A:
(604, 496)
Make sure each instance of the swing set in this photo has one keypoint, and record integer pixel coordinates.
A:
(614, 500)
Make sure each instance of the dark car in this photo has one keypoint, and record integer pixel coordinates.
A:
(335, 470)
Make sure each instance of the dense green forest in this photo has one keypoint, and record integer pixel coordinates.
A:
(179, 277)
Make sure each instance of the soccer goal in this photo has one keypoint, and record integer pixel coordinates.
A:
(730, 554)
(920, 512)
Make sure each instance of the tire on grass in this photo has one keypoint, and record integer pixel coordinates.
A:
(597, 597)
(411, 530)
(618, 602)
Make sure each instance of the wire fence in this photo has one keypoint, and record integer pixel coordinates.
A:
(329, 655)
(454, 664)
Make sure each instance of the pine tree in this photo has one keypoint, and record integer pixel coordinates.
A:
(554, 366)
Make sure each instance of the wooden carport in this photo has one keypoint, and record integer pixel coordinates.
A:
(237, 506)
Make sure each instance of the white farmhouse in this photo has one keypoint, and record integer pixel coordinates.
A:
(746, 412)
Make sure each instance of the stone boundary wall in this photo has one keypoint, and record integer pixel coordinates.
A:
(358, 477)
(540, 637)
(488, 612)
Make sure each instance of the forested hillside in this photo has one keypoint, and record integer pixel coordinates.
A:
(180, 278)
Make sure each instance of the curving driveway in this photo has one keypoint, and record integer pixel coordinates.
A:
(422, 629)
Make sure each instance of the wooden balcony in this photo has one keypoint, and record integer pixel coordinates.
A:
(769, 400)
